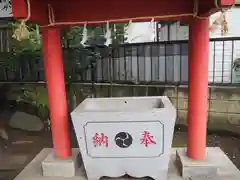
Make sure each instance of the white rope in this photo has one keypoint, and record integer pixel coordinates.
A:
(22, 32)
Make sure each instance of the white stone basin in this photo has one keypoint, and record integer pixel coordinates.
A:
(127, 135)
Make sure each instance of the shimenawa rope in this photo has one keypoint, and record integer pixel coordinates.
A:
(22, 32)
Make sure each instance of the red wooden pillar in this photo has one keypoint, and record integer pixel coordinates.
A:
(198, 88)
(53, 63)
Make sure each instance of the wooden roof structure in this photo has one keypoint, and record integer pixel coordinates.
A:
(78, 12)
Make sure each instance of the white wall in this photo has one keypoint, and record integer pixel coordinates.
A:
(5, 9)
(219, 63)
(221, 53)
(178, 32)
(141, 32)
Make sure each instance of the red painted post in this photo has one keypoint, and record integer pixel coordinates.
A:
(53, 63)
(198, 88)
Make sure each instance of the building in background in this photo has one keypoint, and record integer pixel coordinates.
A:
(222, 53)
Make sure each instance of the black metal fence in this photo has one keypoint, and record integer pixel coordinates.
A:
(5, 35)
(146, 63)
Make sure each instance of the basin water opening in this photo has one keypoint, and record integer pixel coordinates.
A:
(122, 104)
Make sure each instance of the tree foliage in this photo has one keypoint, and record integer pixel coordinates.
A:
(31, 47)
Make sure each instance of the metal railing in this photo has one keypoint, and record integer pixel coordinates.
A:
(163, 63)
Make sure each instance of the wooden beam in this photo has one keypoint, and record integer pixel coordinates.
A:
(19, 9)
(38, 10)
(224, 3)
(99, 12)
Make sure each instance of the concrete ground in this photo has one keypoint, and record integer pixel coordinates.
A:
(226, 170)
(24, 146)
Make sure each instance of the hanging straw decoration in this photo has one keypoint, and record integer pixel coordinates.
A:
(224, 24)
(84, 35)
(21, 32)
(216, 24)
(108, 35)
(221, 21)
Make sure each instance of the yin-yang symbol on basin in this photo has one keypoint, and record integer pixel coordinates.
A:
(123, 139)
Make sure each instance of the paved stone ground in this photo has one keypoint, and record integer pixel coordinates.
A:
(226, 169)
(25, 146)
